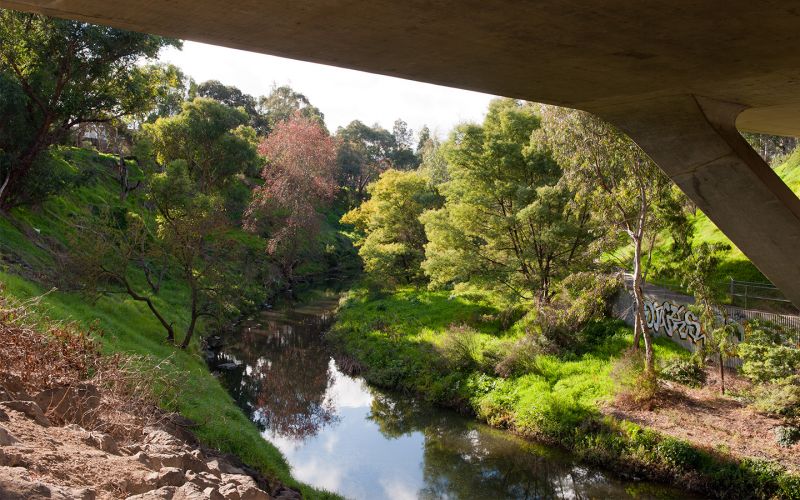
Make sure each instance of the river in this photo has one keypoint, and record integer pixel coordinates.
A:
(340, 434)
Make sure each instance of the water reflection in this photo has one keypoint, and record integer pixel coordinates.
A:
(342, 435)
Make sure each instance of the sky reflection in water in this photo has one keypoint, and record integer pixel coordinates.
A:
(339, 434)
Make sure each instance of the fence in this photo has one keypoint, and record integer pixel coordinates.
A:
(751, 294)
(668, 314)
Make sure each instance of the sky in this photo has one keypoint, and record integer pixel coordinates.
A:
(342, 95)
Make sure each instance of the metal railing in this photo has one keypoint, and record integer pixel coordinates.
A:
(750, 293)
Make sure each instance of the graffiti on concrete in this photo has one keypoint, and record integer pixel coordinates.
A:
(672, 319)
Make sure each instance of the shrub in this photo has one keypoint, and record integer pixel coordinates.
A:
(678, 453)
(780, 398)
(786, 435)
(634, 387)
(581, 300)
(767, 352)
(684, 371)
(519, 357)
(461, 348)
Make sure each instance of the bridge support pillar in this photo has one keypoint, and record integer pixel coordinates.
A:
(695, 141)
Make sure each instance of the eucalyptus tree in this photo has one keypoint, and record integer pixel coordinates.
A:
(622, 185)
(509, 220)
(54, 75)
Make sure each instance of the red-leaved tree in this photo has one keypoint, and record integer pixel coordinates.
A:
(299, 180)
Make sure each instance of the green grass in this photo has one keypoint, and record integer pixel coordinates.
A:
(399, 339)
(128, 326)
(734, 264)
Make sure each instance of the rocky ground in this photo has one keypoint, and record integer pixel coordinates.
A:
(75, 424)
(39, 459)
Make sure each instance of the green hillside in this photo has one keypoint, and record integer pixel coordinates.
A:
(33, 250)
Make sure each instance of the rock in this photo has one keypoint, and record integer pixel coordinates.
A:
(70, 403)
(201, 479)
(30, 409)
(6, 438)
(158, 437)
(213, 494)
(12, 388)
(102, 442)
(227, 468)
(141, 483)
(144, 459)
(16, 484)
(190, 491)
(3, 416)
(170, 476)
(165, 493)
(251, 493)
(229, 492)
(285, 493)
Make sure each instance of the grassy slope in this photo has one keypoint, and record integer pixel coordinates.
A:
(734, 263)
(398, 338)
(129, 327)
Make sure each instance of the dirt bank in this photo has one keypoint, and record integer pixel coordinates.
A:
(76, 424)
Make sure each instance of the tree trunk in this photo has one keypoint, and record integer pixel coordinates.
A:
(641, 326)
(142, 298)
(190, 331)
(721, 374)
(639, 323)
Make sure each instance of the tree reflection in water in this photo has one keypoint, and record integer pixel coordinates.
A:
(285, 374)
(464, 459)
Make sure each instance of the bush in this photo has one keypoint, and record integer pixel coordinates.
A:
(684, 371)
(768, 353)
(461, 348)
(781, 398)
(678, 453)
(634, 387)
(786, 435)
(519, 358)
(581, 300)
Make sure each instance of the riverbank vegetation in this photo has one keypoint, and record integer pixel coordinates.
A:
(488, 289)
(154, 210)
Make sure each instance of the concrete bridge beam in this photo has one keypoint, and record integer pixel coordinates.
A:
(695, 141)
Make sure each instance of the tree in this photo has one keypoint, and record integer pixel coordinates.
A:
(391, 238)
(299, 180)
(202, 155)
(718, 330)
(365, 152)
(106, 250)
(170, 90)
(620, 183)
(231, 96)
(56, 74)
(509, 219)
(282, 104)
(193, 228)
(213, 138)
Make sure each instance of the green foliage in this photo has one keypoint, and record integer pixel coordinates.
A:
(786, 435)
(400, 340)
(212, 138)
(390, 236)
(508, 222)
(684, 371)
(56, 74)
(768, 352)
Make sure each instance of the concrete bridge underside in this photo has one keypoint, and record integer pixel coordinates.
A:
(679, 78)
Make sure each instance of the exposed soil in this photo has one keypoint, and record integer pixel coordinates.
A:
(78, 425)
(708, 419)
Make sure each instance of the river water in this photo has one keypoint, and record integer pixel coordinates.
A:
(340, 434)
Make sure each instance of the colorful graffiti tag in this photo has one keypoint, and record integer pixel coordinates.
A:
(673, 319)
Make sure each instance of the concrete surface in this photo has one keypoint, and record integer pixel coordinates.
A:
(679, 77)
